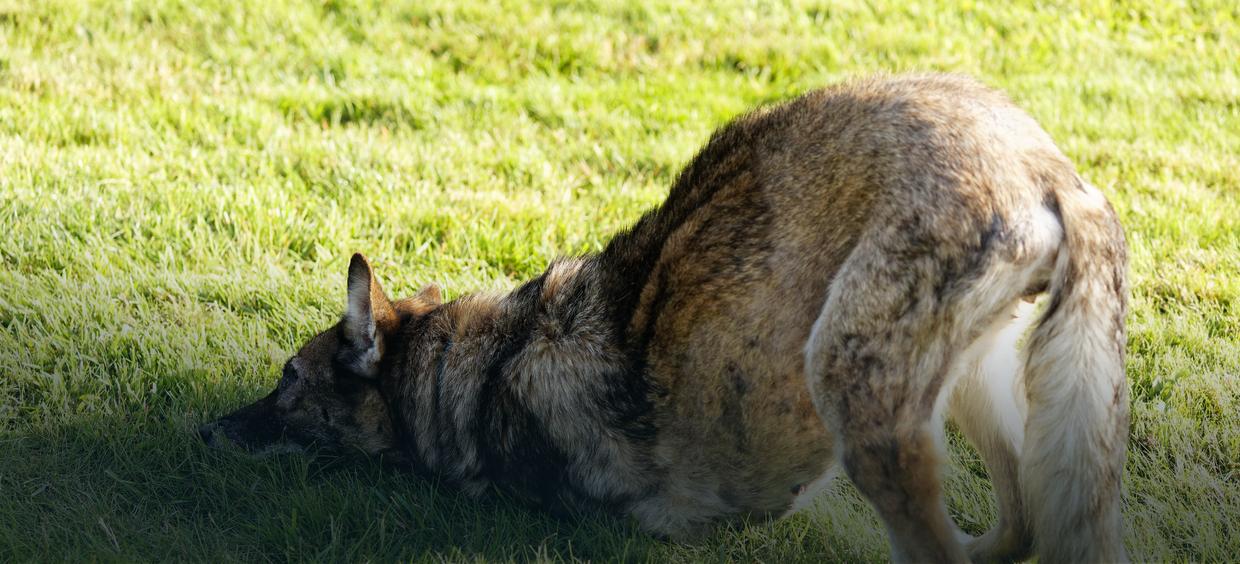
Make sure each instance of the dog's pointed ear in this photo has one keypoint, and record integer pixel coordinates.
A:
(421, 303)
(368, 317)
(430, 294)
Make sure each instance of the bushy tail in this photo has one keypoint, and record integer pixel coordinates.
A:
(1077, 428)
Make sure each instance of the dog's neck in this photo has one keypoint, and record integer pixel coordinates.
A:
(517, 389)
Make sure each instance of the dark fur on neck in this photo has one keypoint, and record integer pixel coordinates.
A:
(479, 383)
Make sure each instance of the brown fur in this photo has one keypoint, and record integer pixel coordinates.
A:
(819, 278)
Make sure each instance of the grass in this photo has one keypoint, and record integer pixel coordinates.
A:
(181, 183)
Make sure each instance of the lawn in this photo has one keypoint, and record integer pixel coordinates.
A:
(183, 181)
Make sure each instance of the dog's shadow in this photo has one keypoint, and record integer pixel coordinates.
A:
(136, 482)
(146, 488)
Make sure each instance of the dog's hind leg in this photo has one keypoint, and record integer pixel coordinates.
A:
(875, 375)
(988, 406)
(883, 353)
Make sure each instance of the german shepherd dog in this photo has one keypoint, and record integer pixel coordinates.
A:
(826, 281)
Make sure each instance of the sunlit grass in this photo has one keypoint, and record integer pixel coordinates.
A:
(181, 183)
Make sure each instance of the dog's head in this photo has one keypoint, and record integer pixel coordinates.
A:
(329, 396)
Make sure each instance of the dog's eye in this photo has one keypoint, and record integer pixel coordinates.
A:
(326, 416)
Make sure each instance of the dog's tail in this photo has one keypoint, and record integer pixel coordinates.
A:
(1077, 428)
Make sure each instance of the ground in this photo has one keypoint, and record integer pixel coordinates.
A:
(183, 181)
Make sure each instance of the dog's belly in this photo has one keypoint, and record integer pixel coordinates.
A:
(742, 439)
(713, 471)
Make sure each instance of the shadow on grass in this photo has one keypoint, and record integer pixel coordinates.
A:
(146, 488)
(142, 486)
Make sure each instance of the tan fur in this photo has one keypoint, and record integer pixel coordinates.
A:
(827, 280)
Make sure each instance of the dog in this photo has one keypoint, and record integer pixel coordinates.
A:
(827, 280)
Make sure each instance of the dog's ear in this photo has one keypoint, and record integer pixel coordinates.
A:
(419, 304)
(430, 294)
(368, 317)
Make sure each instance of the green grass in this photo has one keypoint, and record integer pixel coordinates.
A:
(182, 182)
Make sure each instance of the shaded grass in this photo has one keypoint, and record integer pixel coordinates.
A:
(181, 183)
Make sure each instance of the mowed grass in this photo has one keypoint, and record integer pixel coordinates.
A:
(182, 182)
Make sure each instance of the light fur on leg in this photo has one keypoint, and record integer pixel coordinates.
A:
(988, 406)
